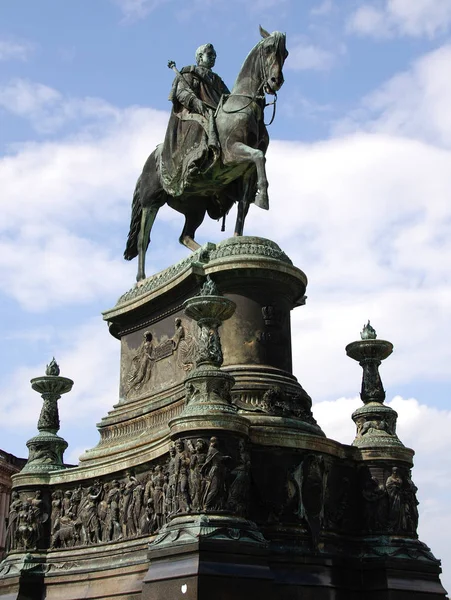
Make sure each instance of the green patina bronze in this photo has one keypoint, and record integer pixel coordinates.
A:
(47, 448)
(211, 477)
(213, 154)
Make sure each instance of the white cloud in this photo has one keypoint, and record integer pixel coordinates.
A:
(82, 176)
(14, 50)
(413, 103)
(48, 110)
(368, 20)
(421, 427)
(60, 198)
(334, 418)
(428, 18)
(73, 453)
(71, 269)
(307, 56)
(89, 356)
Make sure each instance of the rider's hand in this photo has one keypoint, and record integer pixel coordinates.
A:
(200, 107)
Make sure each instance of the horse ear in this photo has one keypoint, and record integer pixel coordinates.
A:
(263, 32)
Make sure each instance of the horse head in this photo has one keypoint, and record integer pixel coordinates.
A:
(273, 52)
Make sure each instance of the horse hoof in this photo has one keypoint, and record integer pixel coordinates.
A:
(189, 243)
(262, 200)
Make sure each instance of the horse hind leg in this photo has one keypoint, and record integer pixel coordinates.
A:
(147, 219)
(243, 208)
(192, 221)
(151, 197)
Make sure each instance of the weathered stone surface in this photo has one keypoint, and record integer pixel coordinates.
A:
(213, 457)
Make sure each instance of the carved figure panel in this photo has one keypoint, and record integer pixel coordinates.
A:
(217, 475)
(391, 505)
(375, 505)
(276, 402)
(214, 471)
(376, 425)
(43, 453)
(239, 492)
(27, 517)
(341, 510)
(310, 479)
(197, 482)
(197, 476)
(141, 365)
(158, 358)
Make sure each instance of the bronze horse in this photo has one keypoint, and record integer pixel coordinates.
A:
(238, 175)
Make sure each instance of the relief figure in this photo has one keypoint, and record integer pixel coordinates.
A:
(214, 472)
(141, 367)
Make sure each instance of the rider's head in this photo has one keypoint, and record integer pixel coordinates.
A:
(206, 56)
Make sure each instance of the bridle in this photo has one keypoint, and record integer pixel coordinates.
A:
(257, 96)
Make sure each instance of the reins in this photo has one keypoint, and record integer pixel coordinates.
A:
(273, 104)
(252, 99)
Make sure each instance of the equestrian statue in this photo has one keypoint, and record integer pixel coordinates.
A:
(214, 150)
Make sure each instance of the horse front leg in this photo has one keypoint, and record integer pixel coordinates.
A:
(239, 152)
(248, 195)
(192, 221)
(147, 218)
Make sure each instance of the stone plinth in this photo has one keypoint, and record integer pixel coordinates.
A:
(211, 477)
(159, 344)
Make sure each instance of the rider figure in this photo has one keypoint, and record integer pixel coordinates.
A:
(191, 144)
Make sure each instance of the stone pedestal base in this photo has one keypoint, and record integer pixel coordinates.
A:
(199, 490)
(217, 567)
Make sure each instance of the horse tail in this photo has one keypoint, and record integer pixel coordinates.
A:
(131, 248)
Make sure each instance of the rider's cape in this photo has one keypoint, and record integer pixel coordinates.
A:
(191, 145)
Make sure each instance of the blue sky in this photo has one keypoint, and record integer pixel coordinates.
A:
(360, 187)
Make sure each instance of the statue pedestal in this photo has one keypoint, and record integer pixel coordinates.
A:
(212, 478)
(200, 557)
(159, 345)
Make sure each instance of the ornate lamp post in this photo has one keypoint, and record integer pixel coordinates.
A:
(216, 511)
(375, 422)
(47, 448)
(207, 387)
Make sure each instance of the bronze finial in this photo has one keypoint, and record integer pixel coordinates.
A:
(52, 369)
(368, 332)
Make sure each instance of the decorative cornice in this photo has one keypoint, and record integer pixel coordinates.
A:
(163, 277)
(243, 246)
